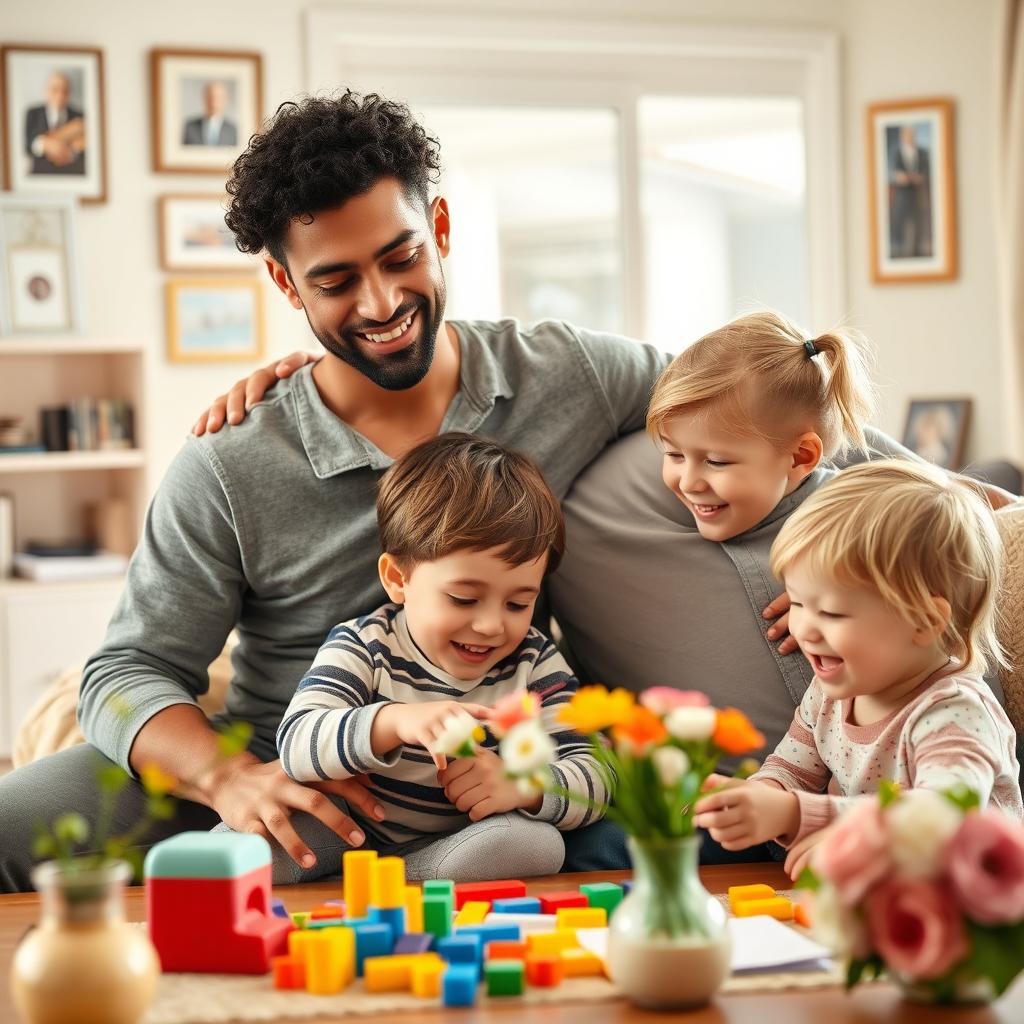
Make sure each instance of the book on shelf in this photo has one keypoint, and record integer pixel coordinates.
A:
(87, 424)
(65, 568)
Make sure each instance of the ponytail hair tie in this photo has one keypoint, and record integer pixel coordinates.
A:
(812, 349)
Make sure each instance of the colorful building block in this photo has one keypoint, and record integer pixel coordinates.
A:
(413, 908)
(472, 912)
(325, 910)
(544, 971)
(461, 949)
(552, 902)
(516, 905)
(503, 949)
(357, 872)
(627, 888)
(528, 923)
(394, 917)
(425, 978)
(373, 938)
(437, 914)
(289, 971)
(491, 932)
(778, 907)
(581, 917)
(505, 977)
(742, 893)
(387, 883)
(393, 973)
(208, 904)
(603, 894)
(581, 963)
(278, 908)
(439, 887)
(330, 957)
(324, 922)
(298, 943)
(458, 987)
(414, 942)
(300, 918)
(487, 891)
(548, 944)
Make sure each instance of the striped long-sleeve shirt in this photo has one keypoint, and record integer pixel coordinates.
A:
(367, 662)
(950, 731)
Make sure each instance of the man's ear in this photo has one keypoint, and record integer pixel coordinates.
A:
(938, 619)
(806, 453)
(441, 224)
(279, 275)
(392, 578)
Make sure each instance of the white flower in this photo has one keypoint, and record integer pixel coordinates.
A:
(671, 763)
(840, 928)
(921, 824)
(460, 730)
(531, 785)
(691, 723)
(526, 748)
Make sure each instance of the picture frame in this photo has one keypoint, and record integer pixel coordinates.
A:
(193, 235)
(936, 429)
(53, 116)
(40, 291)
(214, 320)
(912, 186)
(206, 106)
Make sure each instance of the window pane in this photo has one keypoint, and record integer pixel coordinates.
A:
(534, 200)
(722, 194)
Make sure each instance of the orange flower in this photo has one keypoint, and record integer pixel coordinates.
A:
(638, 731)
(155, 780)
(593, 708)
(735, 733)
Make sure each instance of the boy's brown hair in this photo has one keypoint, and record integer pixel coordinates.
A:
(457, 491)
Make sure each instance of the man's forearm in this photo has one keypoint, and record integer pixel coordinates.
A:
(180, 740)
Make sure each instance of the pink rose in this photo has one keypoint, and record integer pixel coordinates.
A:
(916, 928)
(855, 853)
(985, 861)
(662, 699)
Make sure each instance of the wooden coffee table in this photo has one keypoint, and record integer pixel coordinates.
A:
(871, 1004)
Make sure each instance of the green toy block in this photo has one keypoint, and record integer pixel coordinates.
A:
(439, 887)
(603, 894)
(504, 977)
(207, 855)
(437, 914)
(300, 918)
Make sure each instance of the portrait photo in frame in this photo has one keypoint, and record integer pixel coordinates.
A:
(206, 105)
(936, 429)
(39, 286)
(53, 121)
(912, 184)
(213, 320)
(194, 237)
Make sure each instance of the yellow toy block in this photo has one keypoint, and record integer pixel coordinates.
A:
(581, 917)
(426, 977)
(330, 960)
(413, 909)
(357, 871)
(550, 943)
(778, 907)
(472, 912)
(394, 973)
(298, 943)
(387, 883)
(741, 893)
(581, 963)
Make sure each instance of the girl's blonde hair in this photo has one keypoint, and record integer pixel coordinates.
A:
(758, 375)
(910, 532)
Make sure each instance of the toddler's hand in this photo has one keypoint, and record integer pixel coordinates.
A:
(478, 786)
(742, 813)
(421, 724)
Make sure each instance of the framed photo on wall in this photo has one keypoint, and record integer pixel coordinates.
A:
(53, 121)
(194, 237)
(211, 320)
(39, 288)
(206, 105)
(936, 429)
(912, 183)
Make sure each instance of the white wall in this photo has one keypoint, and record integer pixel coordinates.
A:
(932, 338)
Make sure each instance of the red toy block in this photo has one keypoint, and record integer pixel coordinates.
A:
(544, 971)
(505, 949)
(552, 902)
(289, 971)
(326, 910)
(484, 892)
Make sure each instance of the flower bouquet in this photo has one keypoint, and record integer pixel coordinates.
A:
(926, 887)
(668, 943)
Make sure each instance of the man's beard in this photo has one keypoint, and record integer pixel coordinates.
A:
(399, 370)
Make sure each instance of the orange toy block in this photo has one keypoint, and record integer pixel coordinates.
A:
(330, 960)
(326, 911)
(544, 971)
(778, 907)
(581, 963)
(541, 944)
(802, 914)
(505, 949)
(425, 978)
(357, 870)
(742, 893)
(414, 909)
(289, 972)
(581, 917)
(394, 973)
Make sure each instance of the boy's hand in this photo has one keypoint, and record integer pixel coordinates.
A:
(419, 725)
(478, 786)
(743, 813)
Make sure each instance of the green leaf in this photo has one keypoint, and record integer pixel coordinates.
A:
(234, 737)
(71, 828)
(160, 807)
(808, 880)
(112, 778)
(963, 797)
(43, 846)
(996, 953)
(888, 792)
(136, 859)
(863, 970)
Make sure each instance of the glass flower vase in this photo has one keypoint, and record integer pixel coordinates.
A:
(668, 940)
(83, 962)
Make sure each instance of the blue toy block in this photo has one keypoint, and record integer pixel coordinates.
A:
(393, 916)
(278, 908)
(462, 949)
(459, 985)
(516, 905)
(492, 931)
(414, 942)
(627, 888)
(372, 939)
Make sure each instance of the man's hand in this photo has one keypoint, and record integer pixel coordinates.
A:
(255, 797)
(478, 786)
(247, 392)
(418, 725)
(744, 813)
(779, 610)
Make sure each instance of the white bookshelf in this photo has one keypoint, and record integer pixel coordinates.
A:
(57, 462)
